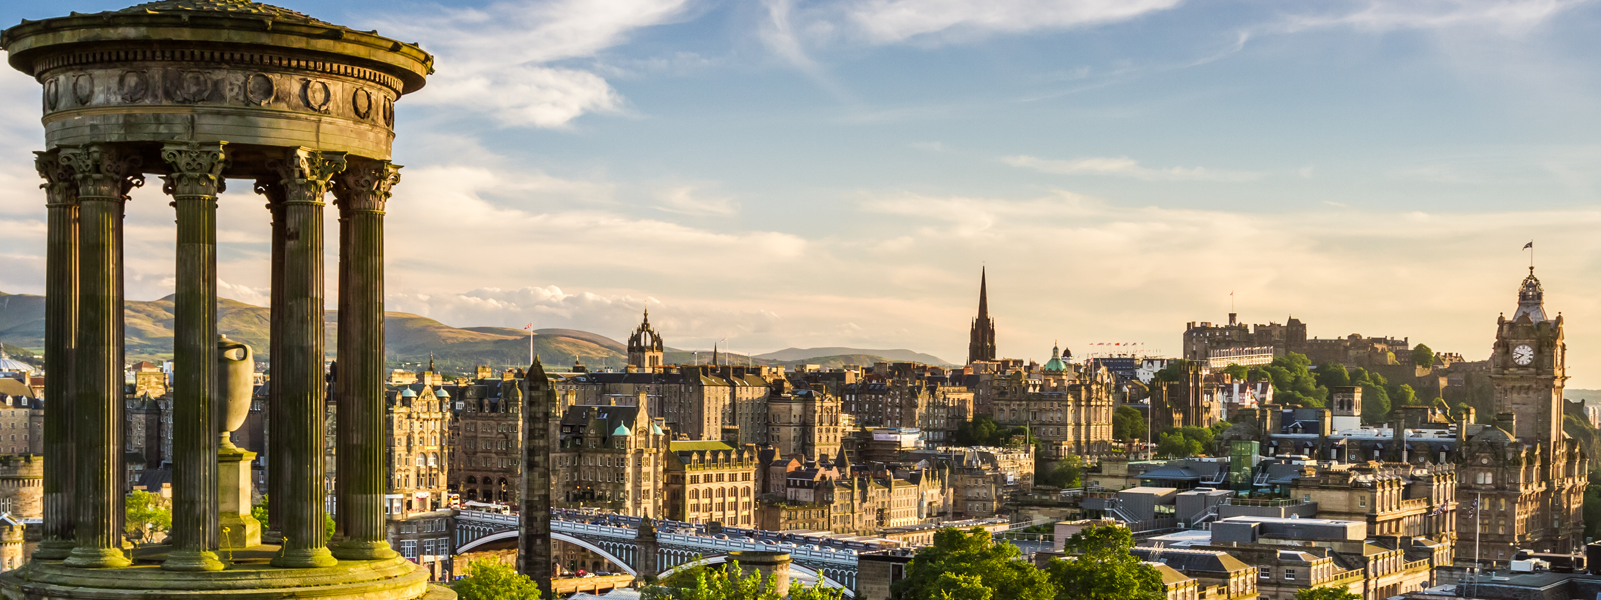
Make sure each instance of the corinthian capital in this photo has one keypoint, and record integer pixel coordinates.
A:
(196, 168)
(59, 184)
(305, 174)
(366, 185)
(103, 171)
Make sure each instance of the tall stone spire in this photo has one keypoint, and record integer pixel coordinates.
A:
(982, 345)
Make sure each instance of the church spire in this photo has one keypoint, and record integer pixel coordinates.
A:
(982, 344)
(983, 293)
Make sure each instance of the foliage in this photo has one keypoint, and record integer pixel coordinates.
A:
(702, 583)
(984, 431)
(489, 579)
(1128, 423)
(259, 511)
(978, 562)
(1375, 395)
(1237, 371)
(1325, 593)
(1069, 473)
(1172, 373)
(1404, 396)
(147, 516)
(1103, 568)
(1174, 444)
(1423, 356)
(1332, 375)
(1293, 383)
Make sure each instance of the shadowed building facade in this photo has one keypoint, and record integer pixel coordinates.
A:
(200, 92)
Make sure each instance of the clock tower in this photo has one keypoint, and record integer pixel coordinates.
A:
(1526, 367)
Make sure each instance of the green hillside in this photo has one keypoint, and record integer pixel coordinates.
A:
(409, 339)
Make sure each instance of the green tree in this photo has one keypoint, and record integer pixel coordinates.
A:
(950, 586)
(1128, 423)
(1325, 593)
(146, 517)
(977, 432)
(1103, 569)
(1423, 356)
(1175, 444)
(1293, 382)
(1069, 473)
(259, 511)
(972, 554)
(1332, 375)
(1237, 371)
(1404, 395)
(489, 579)
(1172, 373)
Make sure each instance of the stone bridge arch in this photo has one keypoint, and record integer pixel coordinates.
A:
(822, 578)
(581, 543)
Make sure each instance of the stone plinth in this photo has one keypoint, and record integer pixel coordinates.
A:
(237, 530)
(768, 564)
(247, 577)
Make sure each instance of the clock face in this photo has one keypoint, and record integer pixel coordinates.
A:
(1523, 355)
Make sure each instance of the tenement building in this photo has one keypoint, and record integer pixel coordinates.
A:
(908, 395)
(711, 482)
(608, 457)
(486, 439)
(803, 421)
(1066, 406)
(416, 422)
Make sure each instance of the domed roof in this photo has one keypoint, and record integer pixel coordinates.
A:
(1531, 299)
(237, 7)
(440, 393)
(407, 393)
(1055, 365)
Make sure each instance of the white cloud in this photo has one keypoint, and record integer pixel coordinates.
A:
(688, 200)
(1507, 16)
(893, 21)
(497, 59)
(1126, 167)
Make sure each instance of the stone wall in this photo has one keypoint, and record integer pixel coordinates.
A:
(22, 486)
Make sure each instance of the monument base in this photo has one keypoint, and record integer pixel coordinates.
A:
(248, 576)
(236, 529)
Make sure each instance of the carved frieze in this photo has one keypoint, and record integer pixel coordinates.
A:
(259, 89)
(133, 85)
(156, 84)
(361, 103)
(83, 88)
(314, 93)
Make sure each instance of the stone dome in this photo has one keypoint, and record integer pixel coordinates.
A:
(236, 7)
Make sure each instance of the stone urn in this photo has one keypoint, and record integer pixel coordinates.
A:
(236, 369)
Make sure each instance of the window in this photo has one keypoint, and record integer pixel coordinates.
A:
(408, 548)
(1289, 574)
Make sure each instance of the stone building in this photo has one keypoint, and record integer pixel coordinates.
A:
(711, 482)
(908, 395)
(1067, 408)
(21, 419)
(1527, 476)
(1392, 499)
(416, 422)
(426, 538)
(610, 458)
(486, 440)
(803, 421)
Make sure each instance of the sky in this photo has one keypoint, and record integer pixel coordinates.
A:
(774, 173)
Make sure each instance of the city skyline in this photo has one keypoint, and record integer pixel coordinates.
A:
(832, 175)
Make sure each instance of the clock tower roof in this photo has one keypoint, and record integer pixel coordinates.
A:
(1531, 299)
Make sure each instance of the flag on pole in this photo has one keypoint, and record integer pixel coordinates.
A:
(1473, 508)
(1528, 245)
(528, 327)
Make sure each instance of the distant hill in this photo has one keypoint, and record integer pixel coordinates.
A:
(410, 339)
(814, 355)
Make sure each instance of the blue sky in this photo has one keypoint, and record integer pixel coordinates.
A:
(821, 173)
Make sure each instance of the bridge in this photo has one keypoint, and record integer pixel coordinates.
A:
(677, 545)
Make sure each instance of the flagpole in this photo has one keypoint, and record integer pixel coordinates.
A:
(1478, 530)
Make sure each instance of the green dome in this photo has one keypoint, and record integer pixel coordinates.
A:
(1055, 365)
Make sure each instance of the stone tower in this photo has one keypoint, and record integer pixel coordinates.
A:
(982, 345)
(645, 346)
(534, 543)
(1527, 367)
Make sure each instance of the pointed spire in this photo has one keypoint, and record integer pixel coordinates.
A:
(430, 362)
(983, 293)
(714, 354)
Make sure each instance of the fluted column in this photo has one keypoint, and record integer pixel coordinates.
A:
(104, 174)
(195, 181)
(304, 175)
(361, 192)
(61, 325)
(277, 462)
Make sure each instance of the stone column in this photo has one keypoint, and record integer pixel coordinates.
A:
(304, 175)
(273, 189)
(361, 192)
(195, 181)
(104, 173)
(534, 541)
(61, 325)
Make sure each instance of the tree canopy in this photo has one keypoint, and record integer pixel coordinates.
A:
(984, 431)
(962, 564)
(1325, 593)
(1128, 423)
(1423, 356)
(1293, 382)
(1103, 568)
(490, 579)
(147, 517)
(1068, 472)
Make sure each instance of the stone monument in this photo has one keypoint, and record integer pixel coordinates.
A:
(199, 92)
